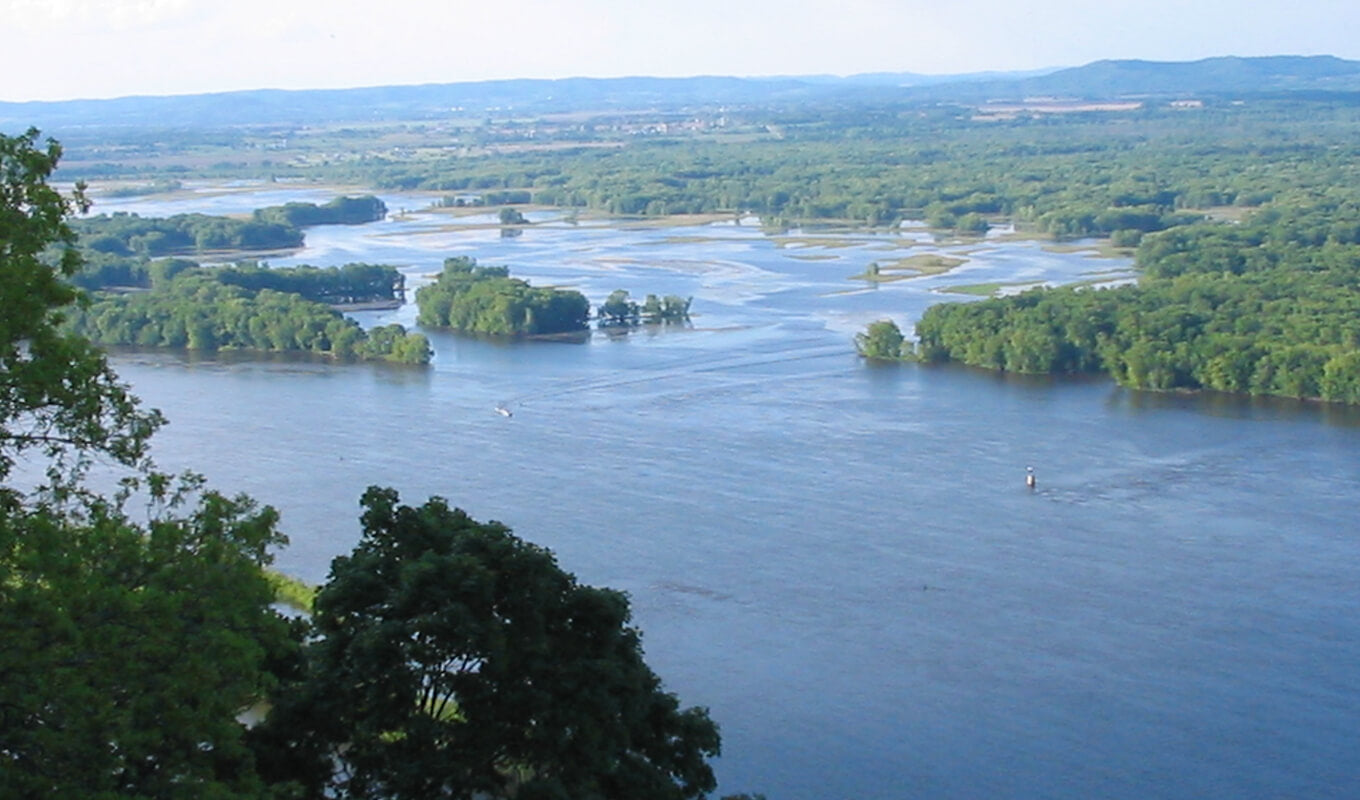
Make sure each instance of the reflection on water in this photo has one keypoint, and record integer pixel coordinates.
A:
(841, 559)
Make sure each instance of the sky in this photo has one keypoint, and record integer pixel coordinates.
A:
(68, 49)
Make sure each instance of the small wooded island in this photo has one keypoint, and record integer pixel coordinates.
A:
(470, 298)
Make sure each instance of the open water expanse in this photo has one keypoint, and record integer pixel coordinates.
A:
(840, 559)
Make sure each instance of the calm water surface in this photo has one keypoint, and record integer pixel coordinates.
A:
(841, 560)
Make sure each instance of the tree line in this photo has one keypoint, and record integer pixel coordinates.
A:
(1270, 306)
(127, 234)
(273, 228)
(1095, 174)
(339, 211)
(621, 309)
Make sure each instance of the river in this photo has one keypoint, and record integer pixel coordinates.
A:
(841, 559)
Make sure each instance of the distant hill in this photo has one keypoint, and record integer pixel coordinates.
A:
(1099, 80)
(1228, 74)
(268, 106)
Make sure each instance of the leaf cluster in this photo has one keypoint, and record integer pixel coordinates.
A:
(131, 649)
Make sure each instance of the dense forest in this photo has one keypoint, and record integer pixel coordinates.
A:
(1268, 306)
(1088, 174)
(124, 234)
(347, 285)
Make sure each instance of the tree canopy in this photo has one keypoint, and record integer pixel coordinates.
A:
(57, 392)
(1269, 306)
(131, 649)
(452, 659)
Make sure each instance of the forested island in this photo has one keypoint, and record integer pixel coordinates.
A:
(470, 298)
(271, 228)
(339, 211)
(249, 308)
(475, 299)
(125, 234)
(145, 301)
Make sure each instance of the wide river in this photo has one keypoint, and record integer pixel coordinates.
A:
(840, 559)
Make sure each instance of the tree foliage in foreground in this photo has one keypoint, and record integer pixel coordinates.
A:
(57, 393)
(131, 649)
(453, 659)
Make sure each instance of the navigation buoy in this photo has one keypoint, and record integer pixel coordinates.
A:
(1029, 477)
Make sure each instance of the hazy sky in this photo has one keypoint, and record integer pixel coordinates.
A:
(62, 49)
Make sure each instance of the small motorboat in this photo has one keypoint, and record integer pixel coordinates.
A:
(504, 412)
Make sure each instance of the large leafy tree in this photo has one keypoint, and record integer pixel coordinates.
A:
(128, 648)
(452, 659)
(57, 392)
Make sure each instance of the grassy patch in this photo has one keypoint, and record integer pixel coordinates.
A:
(1098, 250)
(1223, 213)
(292, 592)
(987, 289)
(814, 257)
(914, 266)
(829, 242)
(693, 240)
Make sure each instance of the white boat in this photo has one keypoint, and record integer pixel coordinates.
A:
(503, 411)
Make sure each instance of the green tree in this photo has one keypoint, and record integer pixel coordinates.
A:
(57, 392)
(882, 339)
(452, 659)
(130, 650)
(619, 309)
